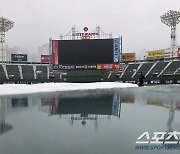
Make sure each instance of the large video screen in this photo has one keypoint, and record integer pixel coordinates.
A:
(74, 52)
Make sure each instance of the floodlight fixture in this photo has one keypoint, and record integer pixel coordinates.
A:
(171, 19)
(5, 26)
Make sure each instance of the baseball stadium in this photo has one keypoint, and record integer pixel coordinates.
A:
(92, 57)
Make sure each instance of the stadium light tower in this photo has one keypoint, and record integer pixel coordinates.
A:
(171, 19)
(5, 25)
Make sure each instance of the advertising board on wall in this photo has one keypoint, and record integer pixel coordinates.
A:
(129, 56)
(116, 49)
(73, 67)
(55, 52)
(19, 57)
(107, 66)
(83, 67)
(155, 53)
(44, 58)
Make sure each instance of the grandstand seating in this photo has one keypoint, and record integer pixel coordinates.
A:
(41, 72)
(145, 67)
(172, 67)
(131, 68)
(27, 72)
(13, 71)
(157, 69)
(55, 75)
(178, 72)
(2, 73)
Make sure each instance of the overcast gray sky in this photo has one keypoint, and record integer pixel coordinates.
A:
(138, 21)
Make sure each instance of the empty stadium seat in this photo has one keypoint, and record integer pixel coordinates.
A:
(41, 72)
(172, 67)
(157, 69)
(145, 67)
(130, 71)
(27, 72)
(13, 72)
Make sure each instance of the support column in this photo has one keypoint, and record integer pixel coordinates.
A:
(173, 42)
(2, 49)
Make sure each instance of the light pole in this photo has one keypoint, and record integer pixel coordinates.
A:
(171, 19)
(5, 25)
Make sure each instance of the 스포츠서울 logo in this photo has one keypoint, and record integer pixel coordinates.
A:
(159, 141)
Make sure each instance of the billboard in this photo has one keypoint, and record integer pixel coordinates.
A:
(129, 56)
(44, 58)
(116, 49)
(85, 52)
(107, 66)
(73, 67)
(178, 52)
(155, 53)
(55, 51)
(18, 57)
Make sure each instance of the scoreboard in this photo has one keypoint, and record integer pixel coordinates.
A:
(85, 52)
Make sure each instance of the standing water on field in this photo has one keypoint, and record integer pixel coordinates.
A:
(104, 121)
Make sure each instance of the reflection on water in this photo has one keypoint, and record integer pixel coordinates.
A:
(47, 123)
(4, 126)
(94, 108)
